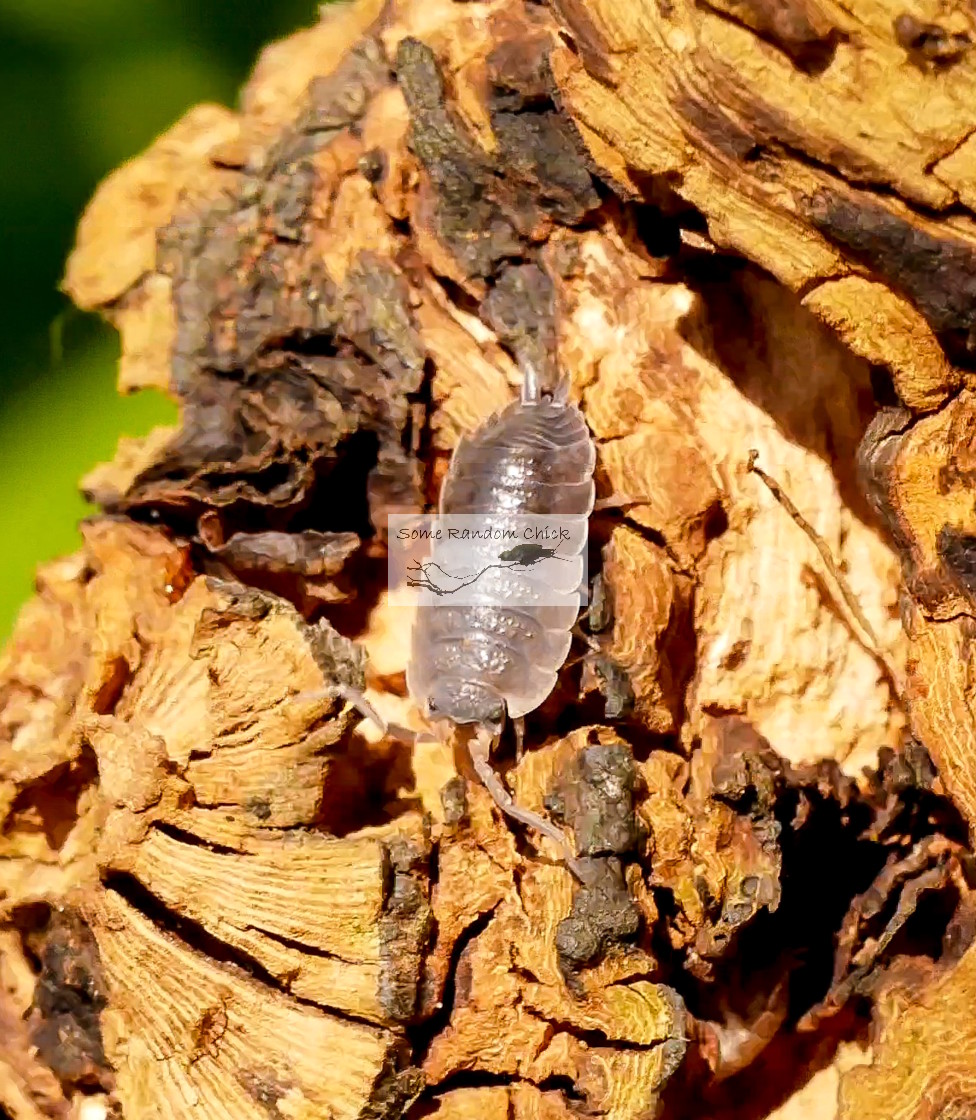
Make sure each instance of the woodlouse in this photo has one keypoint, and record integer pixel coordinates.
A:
(478, 663)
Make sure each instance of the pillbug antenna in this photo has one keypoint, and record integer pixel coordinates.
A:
(534, 379)
(530, 381)
(560, 393)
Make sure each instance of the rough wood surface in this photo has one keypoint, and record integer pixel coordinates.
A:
(746, 232)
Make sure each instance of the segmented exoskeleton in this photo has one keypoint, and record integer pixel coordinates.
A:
(478, 663)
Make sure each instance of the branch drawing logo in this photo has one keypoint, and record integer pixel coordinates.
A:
(520, 557)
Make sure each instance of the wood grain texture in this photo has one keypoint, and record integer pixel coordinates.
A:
(740, 230)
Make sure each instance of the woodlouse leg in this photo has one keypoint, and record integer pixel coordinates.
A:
(519, 724)
(572, 662)
(592, 646)
(617, 501)
(480, 751)
(355, 698)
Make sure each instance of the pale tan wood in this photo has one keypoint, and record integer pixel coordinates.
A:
(295, 916)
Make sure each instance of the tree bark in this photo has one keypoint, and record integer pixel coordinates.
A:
(744, 229)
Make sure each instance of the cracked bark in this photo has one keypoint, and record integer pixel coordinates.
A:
(738, 226)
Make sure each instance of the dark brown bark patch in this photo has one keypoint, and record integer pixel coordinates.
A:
(614, 684)
(68, 999)
(936, 272)
(286, 378)
(957, 550)
(405, 929)
(270, 411)
(520, 308)
(597, 799)
(538, 145)
(491, 210)
(470, 220)
(930, 42)
(603, 914)
(339, 99)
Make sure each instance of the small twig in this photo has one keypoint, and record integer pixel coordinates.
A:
(867, 635)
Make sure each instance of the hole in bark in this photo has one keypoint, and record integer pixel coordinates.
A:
(29, 919)
(786, 362)
(784, 1067)
(831, 861)
(883, 388)
(50, 805)
(660, 236)
(362, 786)
(312, 344)
(716, 521)
(459, 297)
(337, 501)
(924, 934)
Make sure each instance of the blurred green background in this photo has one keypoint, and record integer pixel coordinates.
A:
(86, 84)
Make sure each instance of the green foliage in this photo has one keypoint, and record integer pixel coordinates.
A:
(87, 84)
(52, 432)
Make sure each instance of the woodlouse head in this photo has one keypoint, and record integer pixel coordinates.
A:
(464, 702)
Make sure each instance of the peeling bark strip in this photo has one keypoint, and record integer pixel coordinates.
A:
(275, 374)
(405, 928)
(492, 209)
(258, 909)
